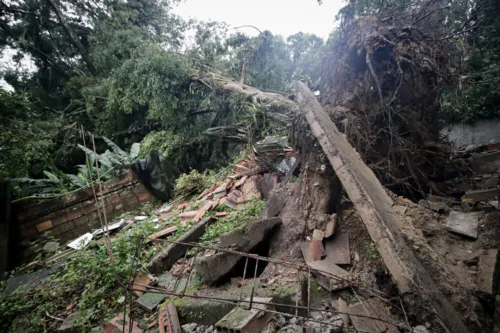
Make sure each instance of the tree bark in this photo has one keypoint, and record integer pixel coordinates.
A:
(74, 38)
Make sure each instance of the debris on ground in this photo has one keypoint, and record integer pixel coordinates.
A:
(243, 320)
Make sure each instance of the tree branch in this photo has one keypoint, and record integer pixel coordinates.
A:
(74, 38)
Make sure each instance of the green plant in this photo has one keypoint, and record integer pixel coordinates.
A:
(194, 182)
(236, 220)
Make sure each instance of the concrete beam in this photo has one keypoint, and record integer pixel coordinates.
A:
(375, 208)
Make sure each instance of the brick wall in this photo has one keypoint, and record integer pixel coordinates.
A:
(73, 214)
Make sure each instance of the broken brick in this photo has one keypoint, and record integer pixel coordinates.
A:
(140, 282)
(121, 323)
(163, 233)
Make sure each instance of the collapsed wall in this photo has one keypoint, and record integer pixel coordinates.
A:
(68, 216)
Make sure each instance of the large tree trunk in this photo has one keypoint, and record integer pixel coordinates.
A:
(74, 38)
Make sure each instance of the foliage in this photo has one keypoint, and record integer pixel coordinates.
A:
(235, 220)
(475, 94)
(194, 182)
(25, 136)
(87, 281)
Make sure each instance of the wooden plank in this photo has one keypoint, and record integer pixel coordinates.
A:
(375, 208)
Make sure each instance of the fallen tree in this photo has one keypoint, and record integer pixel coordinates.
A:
(374, 206)
(382, 87)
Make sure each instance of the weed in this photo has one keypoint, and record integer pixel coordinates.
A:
(372, 252)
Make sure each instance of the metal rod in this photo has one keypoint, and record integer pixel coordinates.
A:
(235, 302)
(254, 256)
(253, 286)
(244, 276)
(157, 290)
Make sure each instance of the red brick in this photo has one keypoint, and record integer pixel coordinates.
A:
(139, 189)
(74, 214)
(143, 197)
(61, 219)
(113, 200)
(62, 228)
(91, 207)
(81, 220)
(29, 231)
(44, 226)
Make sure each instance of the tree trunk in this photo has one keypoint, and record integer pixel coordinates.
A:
(74, 38)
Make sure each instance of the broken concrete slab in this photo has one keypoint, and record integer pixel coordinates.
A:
(150, 301)
(240, 320)
(274, 205)
(486, 163)
(164, 260)
(464, 223)
(373, 308)
(481, 195)
(172, 283)
(375, 208)
(121, 323)
(337, 249)
(330, 226)
(439, 207)
(213, 268)
(140, 282)
(473, 258)
(488, 274)
(330, 276)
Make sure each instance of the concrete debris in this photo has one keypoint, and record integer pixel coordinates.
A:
(342, 307)
(121, 323)
(488, 275)
(330, 226)
(271, 144)
(375, 208)
(486, 163)
(316, 250)
(439, 207)
(330, 276)
(164, 260)
(240, 320)
(398, 209)
(111, 227)
(481, 195)
(473, 258)
(372, 307)
(495, 204)
(267, 184)
(189, 328)
(420, 329)
(149, 301)
(140, 282)
(464, 223)
(213, 268)
(337, 249)
(274, 205)
(81, 241)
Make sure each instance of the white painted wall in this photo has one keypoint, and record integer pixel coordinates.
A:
(481, 132)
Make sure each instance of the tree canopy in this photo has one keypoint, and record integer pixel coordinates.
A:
(125, 70)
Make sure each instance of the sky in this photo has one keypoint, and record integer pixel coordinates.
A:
(283, 17)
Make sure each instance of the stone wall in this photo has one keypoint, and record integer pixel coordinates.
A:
(71, 215)
(479, 133)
